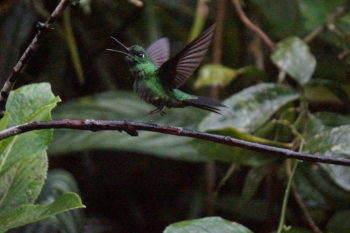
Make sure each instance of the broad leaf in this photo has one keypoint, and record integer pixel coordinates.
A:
(26, 104)
(22, 182)
(216, 75)
(246, 112)
(249, 109)
(207, 225)
(23, 159)
(333, 142)
(293, 55)
(123, 105)
(28, 213)
(321, 121)
(219, 75)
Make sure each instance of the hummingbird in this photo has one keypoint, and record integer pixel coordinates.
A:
(157, 78)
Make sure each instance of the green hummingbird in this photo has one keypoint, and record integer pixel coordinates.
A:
(157, 78)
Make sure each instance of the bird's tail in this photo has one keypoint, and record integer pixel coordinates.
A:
(205, 103)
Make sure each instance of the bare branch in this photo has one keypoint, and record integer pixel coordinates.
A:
(132, 129)
(28, 53)
(252, 26)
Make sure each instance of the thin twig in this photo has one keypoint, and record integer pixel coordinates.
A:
(252, 26)
(28, 53)
(305, 211)
(331, 18)
(132, 129)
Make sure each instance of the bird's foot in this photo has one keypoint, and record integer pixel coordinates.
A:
(160, 110)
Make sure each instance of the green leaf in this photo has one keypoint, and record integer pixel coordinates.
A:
(293, 55)
(315, 16)
(22, 183)
(28, 213)
(31, 102)
(216, 75)
(249, 109)
(23, 159)
(207, 225)
(59, 182)
(332, 142)
(339, 223)
(321, 121)
(26, 104)
(122, 105)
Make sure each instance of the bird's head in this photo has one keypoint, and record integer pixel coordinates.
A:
(134, 54)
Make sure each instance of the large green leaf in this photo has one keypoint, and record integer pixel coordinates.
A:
(57, 183)
(246, 112)
(124, 105)
(249, 109)
(333, 142)
(28, 213)
(293, 55)
(26, 104)
(207, 225)
(22, 182)
(23, 159)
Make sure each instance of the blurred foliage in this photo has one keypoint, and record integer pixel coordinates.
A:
(296, 97)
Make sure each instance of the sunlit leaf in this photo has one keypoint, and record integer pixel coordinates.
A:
(293, 55)
(334, 143)
(207, 225)
(249, 109)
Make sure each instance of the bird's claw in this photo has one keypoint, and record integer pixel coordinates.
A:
(160, 110)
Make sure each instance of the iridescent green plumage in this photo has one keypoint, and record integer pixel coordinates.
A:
(157, 79)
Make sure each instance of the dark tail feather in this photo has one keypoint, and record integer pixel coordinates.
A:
(205, 103)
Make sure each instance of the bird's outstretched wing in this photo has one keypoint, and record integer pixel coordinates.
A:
(159, 51)
(179, 68)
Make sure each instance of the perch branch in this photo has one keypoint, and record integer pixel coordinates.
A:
(132, 129)
(244, 18)
(28, 53)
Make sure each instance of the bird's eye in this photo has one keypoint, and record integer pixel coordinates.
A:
(141, 55)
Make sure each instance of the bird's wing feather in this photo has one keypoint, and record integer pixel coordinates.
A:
(179, 68)
(159, 51)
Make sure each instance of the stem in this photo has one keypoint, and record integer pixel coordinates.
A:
(252, 26)
(132, 129)
(72, 46)
(28, 53)
(286, 196)
(199, 20)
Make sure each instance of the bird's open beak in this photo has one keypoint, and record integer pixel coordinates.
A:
(119, 51)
